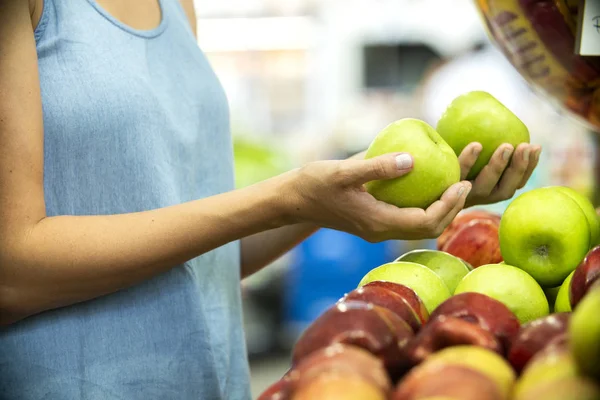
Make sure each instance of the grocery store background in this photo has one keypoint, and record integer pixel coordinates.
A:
(314, 79)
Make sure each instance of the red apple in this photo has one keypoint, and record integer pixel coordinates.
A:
(535, 336)
(341, 359)
(585, 275)
(461, 220)
(476, 242)
(335, 386)
(384, 297)
(484, 311)
(373, 328)
(450, 381)
(407, 294)
(443, 332)
(280, 390)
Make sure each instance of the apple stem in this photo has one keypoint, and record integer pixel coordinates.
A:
(542, 251)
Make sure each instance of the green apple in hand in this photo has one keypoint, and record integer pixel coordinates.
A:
(435, 167)
(451, 269)
(427, 284)
(479, 117)
(545, 233)
(509, 285)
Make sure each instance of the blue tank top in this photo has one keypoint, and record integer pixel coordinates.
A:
(133, 120)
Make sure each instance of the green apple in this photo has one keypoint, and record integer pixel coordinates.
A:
(551, 294)
(584, 331)
(479, 117)
(435, 168)
(552, 363)
(569, 388)
(509, 285)
(427, 284)
(563, 303)
(545, 233)
(479, 359)
(588, 209)
(450, 268)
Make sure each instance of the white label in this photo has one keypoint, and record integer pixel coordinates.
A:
(588, 39)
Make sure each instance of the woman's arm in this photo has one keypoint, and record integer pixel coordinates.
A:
(261, 249)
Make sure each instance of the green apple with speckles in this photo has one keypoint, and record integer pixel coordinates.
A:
(509, 285)
(545, 233)
(479, 117)
(451, 269)
(435, 167)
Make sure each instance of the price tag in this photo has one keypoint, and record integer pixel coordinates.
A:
(588, 28)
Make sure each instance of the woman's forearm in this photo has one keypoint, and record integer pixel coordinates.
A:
(263, 248)
(67, 259)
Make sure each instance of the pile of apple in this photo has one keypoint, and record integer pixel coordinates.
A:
(508, 307)
(383, 341)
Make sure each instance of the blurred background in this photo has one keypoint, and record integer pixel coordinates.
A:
(316, 79)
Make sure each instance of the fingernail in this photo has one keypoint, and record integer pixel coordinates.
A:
(506, 155)
(404, 161)
(526, 154)
(476, 151)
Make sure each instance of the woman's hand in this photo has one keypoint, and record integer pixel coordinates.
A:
(503, 176)
(332, 194)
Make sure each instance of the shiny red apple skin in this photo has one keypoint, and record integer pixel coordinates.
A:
(476, 242)
(373, 328)
(335, 386)
(443, 332)
(341, 359)
(408, 294)
(586, 274)
(450, 381)
(484, 311)
(535, 336)
(384, 297)
(461, 220)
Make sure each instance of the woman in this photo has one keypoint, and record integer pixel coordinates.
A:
(120, 235)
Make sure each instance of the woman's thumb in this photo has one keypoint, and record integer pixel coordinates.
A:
(387, 166)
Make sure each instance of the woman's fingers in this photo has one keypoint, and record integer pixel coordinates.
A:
(514, 174)
(468, 157)
(534, 159)
(490, 175)
(443, 211)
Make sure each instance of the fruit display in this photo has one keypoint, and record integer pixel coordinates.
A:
(511, 314)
